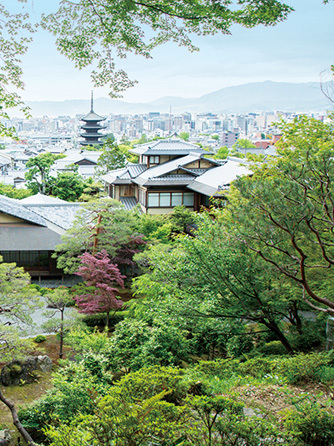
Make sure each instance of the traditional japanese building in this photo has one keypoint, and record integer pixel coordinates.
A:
(92, 128)
(31, 228)
(172, 173)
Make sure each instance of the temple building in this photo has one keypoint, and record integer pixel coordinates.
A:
(91, 128)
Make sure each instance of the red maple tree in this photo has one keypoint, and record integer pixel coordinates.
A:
(98, 293)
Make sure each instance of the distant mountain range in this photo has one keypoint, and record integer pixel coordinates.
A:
(246, 98)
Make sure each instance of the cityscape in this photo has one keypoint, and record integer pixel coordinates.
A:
(62, 134)
(166, 252)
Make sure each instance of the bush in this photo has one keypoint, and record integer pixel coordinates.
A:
(256, 367)
(303, 368)
(310, 424)
(313, 335)
(39, 338)
(99, 319)
(220, 367)
(135, 344)
(272, 348)
(73, 393)
(148, 381)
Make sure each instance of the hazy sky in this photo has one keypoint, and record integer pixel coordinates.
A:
(296, 50)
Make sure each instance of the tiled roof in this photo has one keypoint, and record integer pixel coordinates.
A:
(92, 116)
(136, 169)
(196, 172)
(28, 238)
(220, 178)
(62, 215)
(173, 151)
(129, 202)
(172, 178)
(165, 146)
(165, 168)
(14, 208)
(125, 174)
(42, 199)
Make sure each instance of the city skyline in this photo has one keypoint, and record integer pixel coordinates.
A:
(296, 50)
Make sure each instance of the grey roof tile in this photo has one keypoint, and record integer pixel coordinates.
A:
(16, 209)
(219, 178)
(61, 215)
(129, 202)
(31, 238)
(136, 169)
(165, 146)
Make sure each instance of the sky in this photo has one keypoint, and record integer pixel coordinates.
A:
(296, 50)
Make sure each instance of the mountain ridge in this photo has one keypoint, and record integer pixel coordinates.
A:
(253, 97)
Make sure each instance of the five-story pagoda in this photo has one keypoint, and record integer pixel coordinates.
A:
(91, 127)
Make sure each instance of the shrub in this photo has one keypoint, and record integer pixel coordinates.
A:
(310, 424)
(257, 367)
(135, 344)
(39, 338)
(99, 319)
(313, 335)
(272, 348)
(220, 367)
(253, 431)
(148, 381)
(302, 368)
(74, 392)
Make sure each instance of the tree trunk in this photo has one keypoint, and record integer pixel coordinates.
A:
(295, 319)
(61, 343)
(274, 327)
(16, 420)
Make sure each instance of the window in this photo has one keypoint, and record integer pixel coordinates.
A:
(188, 199)
(127, 191)
(153, 159)
(36, 259)
(176, 198)
(170, 199)
(165, 199)
(142, 197)
(153, 200)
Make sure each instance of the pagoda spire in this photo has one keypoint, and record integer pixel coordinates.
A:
(91, 102)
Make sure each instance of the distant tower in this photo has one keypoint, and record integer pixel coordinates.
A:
(91, 127)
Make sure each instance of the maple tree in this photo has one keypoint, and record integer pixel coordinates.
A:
(99, 290)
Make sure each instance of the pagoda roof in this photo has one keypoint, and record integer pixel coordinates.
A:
(93, 127)
(92, 116)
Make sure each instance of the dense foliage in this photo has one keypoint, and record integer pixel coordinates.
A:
(205, 404)
(284, 212)
(102, 280)
(17, 299)
(218, 346)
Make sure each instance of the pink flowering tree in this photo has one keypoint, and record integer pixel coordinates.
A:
(102, 280)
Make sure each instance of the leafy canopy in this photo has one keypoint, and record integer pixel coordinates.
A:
(112, 157)
(284, 212)
(39, 171)
(17, 301)
(100, 224)
(13, 45)
(100, 30)
(209, 275)
(101, 281)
